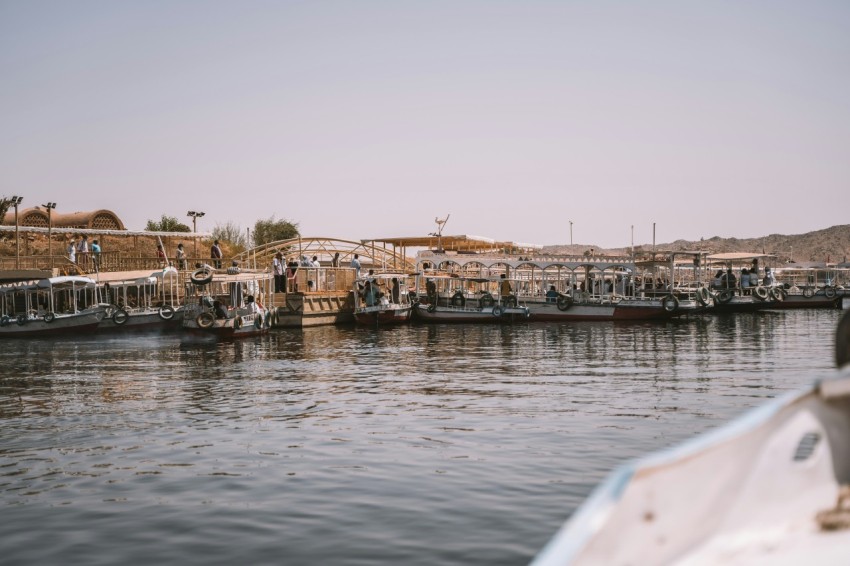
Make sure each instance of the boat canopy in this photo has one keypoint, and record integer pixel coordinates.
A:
(737, 256)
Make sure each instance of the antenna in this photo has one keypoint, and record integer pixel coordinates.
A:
(439, 233)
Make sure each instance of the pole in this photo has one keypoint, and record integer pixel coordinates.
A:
(571, 232)
(653, 236)
(17, 200)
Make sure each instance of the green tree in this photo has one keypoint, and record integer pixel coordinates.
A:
(271, 230)
(167, 224)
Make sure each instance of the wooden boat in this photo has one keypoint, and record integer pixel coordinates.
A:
(614, 288)
(810, 286)
(135, 301)
(382, 299)
(463, 299)
(228, 305)
(51, 306)
(737, 285)
(771, 488)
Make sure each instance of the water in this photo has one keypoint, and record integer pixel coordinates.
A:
(413, 445)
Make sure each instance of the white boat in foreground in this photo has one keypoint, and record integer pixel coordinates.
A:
(228, 305)
(772, 487)
(47, 307)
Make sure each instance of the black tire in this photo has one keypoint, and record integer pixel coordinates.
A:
(486, 300)
(21, 319)
(777, 294)
(432, 307)
(205, 320)
(458, 300)
(670, 303)
(49, 317)
(120, 317)
(564, 302)
(829, 292)
(5, 320)
(498, 311)
(808, 292)
(166, 312)
(201, 276)
(725, 296)
(703, 295)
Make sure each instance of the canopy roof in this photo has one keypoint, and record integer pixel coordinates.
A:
(737, 256)
(462, 243)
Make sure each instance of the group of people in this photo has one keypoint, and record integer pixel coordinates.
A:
(79, 252)
(749, 279)
(372, 294)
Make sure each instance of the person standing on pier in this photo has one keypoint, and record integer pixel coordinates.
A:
(83, 250)
(181, 257)
(278, 267)
(216, 254)
(95, 255)
(72, 250)
(355, 263)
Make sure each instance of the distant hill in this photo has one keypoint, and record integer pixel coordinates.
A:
(832, 244)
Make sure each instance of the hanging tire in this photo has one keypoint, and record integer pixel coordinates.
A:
(564, 302)
(49, 317)
(761, 293)
(432, 307)
(205, 320)
(670, 303)
(509, 301)
(777, 293)
(486, 300)
(458, 300)
(201, 276)
(703, 295)
(120, 317)
(808, 292)
(5, 320)
(21, 319)
(166, 312)
(829, 292)
(725, 296)
(498, 311)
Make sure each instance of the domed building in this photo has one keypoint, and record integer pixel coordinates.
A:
(37, 218)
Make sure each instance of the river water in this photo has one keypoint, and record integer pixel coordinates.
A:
(413, 445)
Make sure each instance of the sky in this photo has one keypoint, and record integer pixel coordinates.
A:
(369, 119)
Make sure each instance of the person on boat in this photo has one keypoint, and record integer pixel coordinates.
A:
(731, 280)
(278, 268)
(769, 279)
(505, 287)
(219, 310)
(552, 295)
(181, 257)
(370, 293)
(95, 255)
(216, 254)
(754, 276)
(718, 280)
(395, 291)
(431, 289)
(335, 260)
(745, 281)
(291, 270)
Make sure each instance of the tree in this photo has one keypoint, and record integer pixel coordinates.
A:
(230, 233)
(167, 224)
(271, 230)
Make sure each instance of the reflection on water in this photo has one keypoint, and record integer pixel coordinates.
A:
(416, 445)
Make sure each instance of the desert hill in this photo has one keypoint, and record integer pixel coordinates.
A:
(830, 244)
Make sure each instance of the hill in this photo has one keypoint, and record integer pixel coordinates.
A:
(830, 244)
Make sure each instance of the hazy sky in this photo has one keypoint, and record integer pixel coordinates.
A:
(367, 119)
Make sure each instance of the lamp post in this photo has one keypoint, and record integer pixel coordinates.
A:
(50, 206)
(571, 232)
(15, 202)
(195, 215)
